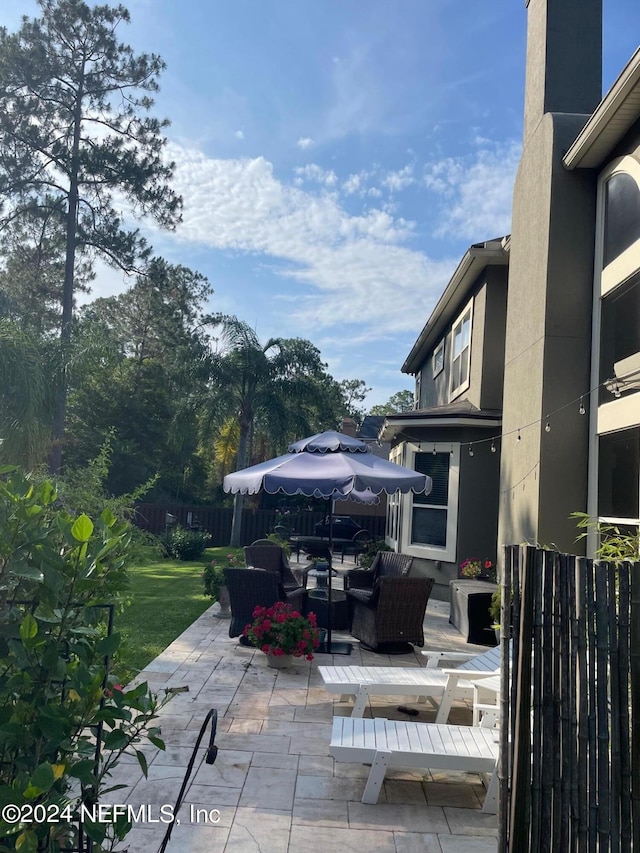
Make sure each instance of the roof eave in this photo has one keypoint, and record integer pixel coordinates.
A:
(612, 119)
(391, 427)
(474, 260)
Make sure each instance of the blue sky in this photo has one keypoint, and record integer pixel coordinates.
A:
(337, 158)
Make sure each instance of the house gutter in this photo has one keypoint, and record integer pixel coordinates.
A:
(392, 428)
(613, 118)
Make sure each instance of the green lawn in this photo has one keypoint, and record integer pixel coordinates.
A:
(166, 597)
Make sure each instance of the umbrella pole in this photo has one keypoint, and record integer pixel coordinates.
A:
(328, 647)
(330, 578)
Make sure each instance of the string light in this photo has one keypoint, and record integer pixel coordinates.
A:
(613, 388)
(616, 390)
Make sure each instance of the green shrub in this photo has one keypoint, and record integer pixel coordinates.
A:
(186, 544)
(373, 548)
(494, 607)
(57, 572)
(213, 577)
(280, 542)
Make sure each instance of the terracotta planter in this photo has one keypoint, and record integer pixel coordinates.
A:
(279, 661)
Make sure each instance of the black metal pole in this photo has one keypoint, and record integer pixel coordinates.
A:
(328, 646)
(330, 575)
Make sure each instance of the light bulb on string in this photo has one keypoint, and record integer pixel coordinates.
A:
(547, 426)
(470, 450)
(616, 390)
(519, 438)
(582, 409)
(451, 451)
(434, 451)
(493, 445)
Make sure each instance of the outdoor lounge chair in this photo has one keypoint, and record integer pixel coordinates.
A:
(250, 587)
(399, 744)
(273, 558)
(385, 564)
(391, 614)
(438, 685)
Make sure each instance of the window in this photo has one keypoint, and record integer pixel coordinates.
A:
(438, 358)
(619, 475)
(614, 450)
(429, 522)
(461, 334)
(621, 215)
(619, 331)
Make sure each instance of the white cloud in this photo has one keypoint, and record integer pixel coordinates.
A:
(353, 184)
(399, 180)
(239, 134)
(313, 172)
(477, 190)
(304, 142)
(352, 269)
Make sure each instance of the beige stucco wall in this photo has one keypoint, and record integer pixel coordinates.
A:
(547, 351)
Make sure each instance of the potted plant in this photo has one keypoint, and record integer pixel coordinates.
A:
(494, 611)
(479, 569)
(216, 588)
(282, 633)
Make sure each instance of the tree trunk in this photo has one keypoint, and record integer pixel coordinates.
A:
(236, 523)
(60, 397)
(238, 502)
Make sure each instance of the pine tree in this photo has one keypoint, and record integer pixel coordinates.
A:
(74, 131)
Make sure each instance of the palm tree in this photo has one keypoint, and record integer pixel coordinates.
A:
(275, 388)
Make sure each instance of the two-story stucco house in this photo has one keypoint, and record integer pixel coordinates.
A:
(458, 362)
(528, 370)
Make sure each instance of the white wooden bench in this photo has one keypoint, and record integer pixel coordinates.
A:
(398, 744)
(440, 686)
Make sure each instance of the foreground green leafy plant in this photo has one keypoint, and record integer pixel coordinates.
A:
(64, 722)
(615, 546)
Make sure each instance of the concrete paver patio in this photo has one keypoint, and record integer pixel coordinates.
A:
(274, 786)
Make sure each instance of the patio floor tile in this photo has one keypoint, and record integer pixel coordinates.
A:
(275, 785)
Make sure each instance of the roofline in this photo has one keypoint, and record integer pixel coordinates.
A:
(390, 428)
(609, 123)
(474, 260)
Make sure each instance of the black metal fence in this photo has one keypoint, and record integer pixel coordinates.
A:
(570, 745)
(255, 523)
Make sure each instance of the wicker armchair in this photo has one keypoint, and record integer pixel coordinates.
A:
(391, 613)
(385, 564)
(273, 558)
(250, 587)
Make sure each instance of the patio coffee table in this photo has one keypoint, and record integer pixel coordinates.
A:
(318, 603)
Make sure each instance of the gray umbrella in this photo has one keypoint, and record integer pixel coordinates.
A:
(327, 465)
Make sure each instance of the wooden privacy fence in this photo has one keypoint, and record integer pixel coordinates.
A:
(570, 705)
(255, 523)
